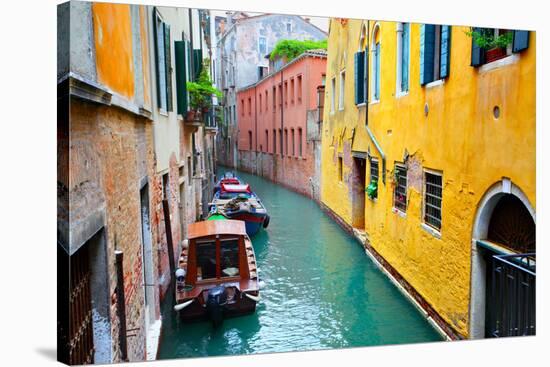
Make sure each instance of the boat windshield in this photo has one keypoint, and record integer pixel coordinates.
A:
(206, 260)
(229, 257)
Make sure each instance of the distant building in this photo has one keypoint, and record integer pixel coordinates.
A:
(278, 124)
(428, 149)
(241, 61)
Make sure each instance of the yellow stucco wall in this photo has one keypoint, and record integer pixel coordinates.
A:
(113, 47)
(459, 137)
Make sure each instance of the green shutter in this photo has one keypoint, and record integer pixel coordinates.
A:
(478, 53)
(359, 77)
(197, 62)
(520, 41)
(157, 73)
(445, 51)
(366, 76)
(427, 40)
(168, 63)
(181, 77)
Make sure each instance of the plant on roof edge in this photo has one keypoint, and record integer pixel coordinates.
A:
(294, 48)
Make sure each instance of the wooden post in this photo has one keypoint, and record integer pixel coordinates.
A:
(121, 305)
(169, 240)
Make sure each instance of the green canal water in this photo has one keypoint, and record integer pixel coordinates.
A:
(321, 292)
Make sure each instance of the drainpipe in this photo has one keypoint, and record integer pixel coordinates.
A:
(371, 134)
(256, 125)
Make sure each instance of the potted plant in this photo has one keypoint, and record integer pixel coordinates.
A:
(372, 190)
(200, 94)
(495, 45)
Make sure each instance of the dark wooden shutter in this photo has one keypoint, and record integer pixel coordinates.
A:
(478, 53)
(181, 77)
(366, 76)
(168, 63)
(427, 39)
(155, 36)
(445, 54)
(520, 41)
(359, 77)
(197, 61)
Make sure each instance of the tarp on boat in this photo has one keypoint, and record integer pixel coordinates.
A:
(235, 188)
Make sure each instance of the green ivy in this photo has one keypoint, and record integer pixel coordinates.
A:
(201, 90)
(294, 48)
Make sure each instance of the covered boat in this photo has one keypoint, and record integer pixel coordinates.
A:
(237, 201)
(217, 275)
(227, 178)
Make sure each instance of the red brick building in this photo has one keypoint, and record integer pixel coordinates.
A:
(279, 136)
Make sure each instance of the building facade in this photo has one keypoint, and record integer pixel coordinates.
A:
(131, 171)
(278, 124)
(428, 156)
(241, 61)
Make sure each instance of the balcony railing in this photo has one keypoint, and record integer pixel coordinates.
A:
(512, 308)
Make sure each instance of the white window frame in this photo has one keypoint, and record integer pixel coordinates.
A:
(372, 87)
(333, 95)
(399, 61)
(342, 90)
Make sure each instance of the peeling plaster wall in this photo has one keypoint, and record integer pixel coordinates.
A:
(459, 137)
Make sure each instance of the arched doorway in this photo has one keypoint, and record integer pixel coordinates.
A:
(502, 299)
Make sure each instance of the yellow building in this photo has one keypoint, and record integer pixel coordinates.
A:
(428, 155)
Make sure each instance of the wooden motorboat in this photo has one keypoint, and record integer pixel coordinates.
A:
(217, 275)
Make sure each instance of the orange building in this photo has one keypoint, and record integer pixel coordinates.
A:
(278, 124)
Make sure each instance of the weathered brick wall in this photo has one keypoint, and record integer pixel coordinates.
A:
(111, 151)
(296, 173)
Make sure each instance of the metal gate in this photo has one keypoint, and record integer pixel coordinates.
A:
(81, 340)
(512, 308)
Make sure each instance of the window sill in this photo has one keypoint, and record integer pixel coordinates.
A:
(361, 105)
(399, 212)
(508, 60)
(377, 101)
(374, 200)
(401, 94)
(163, 112)
(434, 232)
(435, 83)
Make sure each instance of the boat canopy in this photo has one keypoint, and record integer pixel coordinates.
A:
(215, 227)
(236, 188)
(231, 181)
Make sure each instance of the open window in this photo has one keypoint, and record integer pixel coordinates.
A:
(229, 257)
(492, 44)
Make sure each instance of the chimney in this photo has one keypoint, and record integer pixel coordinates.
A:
(307, 19)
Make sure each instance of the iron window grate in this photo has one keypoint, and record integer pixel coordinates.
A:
(373, 170)
(400, 191)
(432, 200)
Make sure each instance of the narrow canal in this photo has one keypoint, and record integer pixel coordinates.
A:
(321, 292)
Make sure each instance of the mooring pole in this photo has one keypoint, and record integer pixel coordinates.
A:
(169, 240)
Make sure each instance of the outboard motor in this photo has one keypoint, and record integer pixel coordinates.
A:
(217, 299)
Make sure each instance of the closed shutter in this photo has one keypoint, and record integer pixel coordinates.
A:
(197, 62)
(181, 77)
(168, 67)
(359, 77)
(478, 53)
(405, 59)
(366, 76)
(444, 65)
(158, 57)
(377, 79)
(520, 41)
(427, 40)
